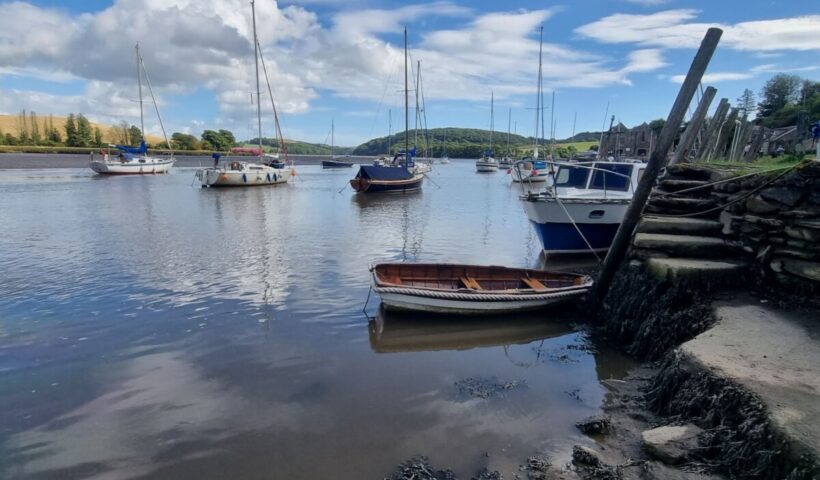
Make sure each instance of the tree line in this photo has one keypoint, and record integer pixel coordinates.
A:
(784, 100)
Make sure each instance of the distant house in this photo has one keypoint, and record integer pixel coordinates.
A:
(620, 141)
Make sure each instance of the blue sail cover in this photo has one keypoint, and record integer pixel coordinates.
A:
(409, 156)
(380, 172)
(488, 152)
(134, 150)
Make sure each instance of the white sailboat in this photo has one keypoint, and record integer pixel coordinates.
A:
(533, 170)
(445, 159)
(507, 160)
(262, 172)
(135, 160)
(488, 163)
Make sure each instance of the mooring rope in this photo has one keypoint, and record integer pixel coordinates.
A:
(482, 297)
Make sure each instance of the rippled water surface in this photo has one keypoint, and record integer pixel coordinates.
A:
(150, 329)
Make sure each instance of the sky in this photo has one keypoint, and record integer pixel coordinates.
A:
(342, 61)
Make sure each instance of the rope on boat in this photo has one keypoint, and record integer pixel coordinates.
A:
(577, 229)
(480, 297)
(364, 308)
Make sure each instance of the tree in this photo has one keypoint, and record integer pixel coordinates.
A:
(216, 140)
(135, 135)
(71, 131)
(10, 140)
(53, 134)
(2, 138)
(183, 141)
(228, 136)
(746, 103)
(657, 125)
(22, 129)
(84, 132)
(36, 139)
(98, 141)
(777, 92)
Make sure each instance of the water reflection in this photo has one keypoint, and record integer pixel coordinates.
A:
(392, 332)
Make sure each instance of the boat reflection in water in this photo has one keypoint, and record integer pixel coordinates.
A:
(393, 332)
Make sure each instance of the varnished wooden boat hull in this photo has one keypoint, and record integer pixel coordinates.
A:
(471, 289)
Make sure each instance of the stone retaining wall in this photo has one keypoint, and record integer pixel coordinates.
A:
(771, 220)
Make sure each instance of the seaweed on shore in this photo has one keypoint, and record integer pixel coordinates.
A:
(739, 439)
(652, 317)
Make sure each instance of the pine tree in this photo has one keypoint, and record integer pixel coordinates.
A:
(22, 129)
(135, 135)
(84, 132)
(53, 134)
(36, 139)
(71, 131)
(746, 103)
(98, 137)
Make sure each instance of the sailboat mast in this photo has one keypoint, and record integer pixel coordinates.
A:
(139, 86)
(406, 104)
(538, 93)
(492, 118)
(256, 64)
(331, 138)
(418, 112)
(389, 130)
(509, 123)
(552, 122)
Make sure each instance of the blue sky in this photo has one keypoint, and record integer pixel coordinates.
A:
(342, 60)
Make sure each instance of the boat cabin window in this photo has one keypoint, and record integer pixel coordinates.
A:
(236, 166)
(619, 179)
(572, 176)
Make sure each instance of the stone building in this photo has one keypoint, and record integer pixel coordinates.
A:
(621, 142)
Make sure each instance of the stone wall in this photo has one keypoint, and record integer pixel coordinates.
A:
(769, 221)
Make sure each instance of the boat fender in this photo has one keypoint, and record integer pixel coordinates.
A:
(274, 177)
(534, 172)
(293, 172)
(509, 171)
(267, 177)
(244, 178)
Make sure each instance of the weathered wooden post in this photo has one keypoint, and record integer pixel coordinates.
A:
(754, 146)
(657, 160)
(727, 129)
(714, 127)
(691, 132)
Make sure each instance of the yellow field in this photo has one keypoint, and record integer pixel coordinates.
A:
(9, 124)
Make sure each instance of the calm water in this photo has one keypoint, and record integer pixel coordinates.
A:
(149, 329)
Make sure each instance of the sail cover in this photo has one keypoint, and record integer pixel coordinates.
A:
(249, 151)
(379, 172)
(134, 150)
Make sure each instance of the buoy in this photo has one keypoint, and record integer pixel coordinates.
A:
(534, 172)
(293, 172)
(509, 171)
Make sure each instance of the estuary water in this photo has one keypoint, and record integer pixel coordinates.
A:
(152, 329)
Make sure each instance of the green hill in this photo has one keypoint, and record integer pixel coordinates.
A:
(297, 147)
(461, 143)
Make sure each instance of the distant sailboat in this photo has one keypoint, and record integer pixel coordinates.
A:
(267, 170)
(507, 161)
(400, 176)
(334, 162)
(532, 169)
(445, 159)
(488, 163)
(135, 160)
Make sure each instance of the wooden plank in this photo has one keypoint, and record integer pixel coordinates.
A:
(534, 284)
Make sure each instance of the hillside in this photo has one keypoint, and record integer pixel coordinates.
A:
(10, 124)
(298, 147)
(464, 143)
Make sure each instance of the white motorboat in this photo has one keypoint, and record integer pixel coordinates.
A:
(134, 160)
(486, 164)
(421, 167)
(584, 208)
(268, 169)
(530, 171)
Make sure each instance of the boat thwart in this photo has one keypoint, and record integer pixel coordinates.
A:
(472, 289)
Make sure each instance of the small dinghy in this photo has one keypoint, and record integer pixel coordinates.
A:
(472, 289)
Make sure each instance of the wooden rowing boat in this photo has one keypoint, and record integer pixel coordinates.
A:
(472, 289)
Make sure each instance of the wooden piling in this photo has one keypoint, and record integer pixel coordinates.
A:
(692, 130)
(727, 129)
(657, 160)
(713, 128)
(758, 135)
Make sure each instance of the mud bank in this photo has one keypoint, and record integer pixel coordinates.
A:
(717, 270)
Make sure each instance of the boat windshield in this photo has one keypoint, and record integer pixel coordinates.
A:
(618, 179)
(572, 176)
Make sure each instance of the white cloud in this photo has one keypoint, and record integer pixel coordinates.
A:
(716, 77)
(191, 44)
(649, 3)
(674, 29)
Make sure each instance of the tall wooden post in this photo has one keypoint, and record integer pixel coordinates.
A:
(691, 132)
(755, 144)
(714, 128)
(727, 129)
(657, 160)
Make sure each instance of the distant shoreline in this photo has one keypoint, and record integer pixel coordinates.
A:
(20, 161)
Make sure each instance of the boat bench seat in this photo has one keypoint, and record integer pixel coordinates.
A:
(534, 284)
(394, 279)
(471, 283)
